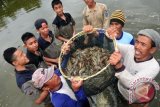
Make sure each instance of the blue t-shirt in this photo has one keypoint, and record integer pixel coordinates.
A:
(125, 38)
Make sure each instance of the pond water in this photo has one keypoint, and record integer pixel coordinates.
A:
(18, 16)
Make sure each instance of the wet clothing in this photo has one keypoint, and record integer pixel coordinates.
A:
(125, 38)
(65, 97)
(24, 75)
(134, 70)
(62, 27)
(37, 60)
(44, 44)
(97, 17)
(51, 50)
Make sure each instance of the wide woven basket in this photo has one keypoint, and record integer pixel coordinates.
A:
(96, 82)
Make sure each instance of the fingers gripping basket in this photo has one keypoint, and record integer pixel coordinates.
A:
(88, 60)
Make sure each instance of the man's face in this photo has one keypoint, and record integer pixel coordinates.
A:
(58, 9)
(20, 58)
(117, 26)
(31, 44)
(53, 82)
(89, 2)
(143, 48)
(44, 29)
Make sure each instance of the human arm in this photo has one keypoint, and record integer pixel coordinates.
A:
(124, 74)
(59, 37)
(42, 97)
(51, 60)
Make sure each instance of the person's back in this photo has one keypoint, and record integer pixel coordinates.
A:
(95, 14)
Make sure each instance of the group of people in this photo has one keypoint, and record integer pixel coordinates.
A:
(37, 71)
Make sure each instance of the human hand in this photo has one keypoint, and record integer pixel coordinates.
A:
(76, 83)
(88, 29)
(115, 58)
(65, 47)
(112, 32)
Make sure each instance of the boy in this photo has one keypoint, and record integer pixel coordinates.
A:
(61, 95)
(64, 24)
(34, 54)
(46, 42)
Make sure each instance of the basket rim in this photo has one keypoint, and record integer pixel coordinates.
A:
(79, 77)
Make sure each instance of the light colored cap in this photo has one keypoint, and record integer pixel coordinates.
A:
(154, 35)
(41, 76)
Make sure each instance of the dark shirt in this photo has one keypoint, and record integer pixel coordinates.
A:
(43, 44)
(34, 59)
(23, 76)
(60, 22)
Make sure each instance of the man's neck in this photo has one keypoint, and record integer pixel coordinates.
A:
(58, 87)
(20, 68)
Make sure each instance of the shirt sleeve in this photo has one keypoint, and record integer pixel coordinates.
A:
(82, 100)
(56, 30)
(85, 22)
(81, 97)
(72, 20)
(126, 78)
(106, 17)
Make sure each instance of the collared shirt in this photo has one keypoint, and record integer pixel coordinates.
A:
(97, 17)
(34, 59)
(23, 76)
(43, 44)
(64, 27)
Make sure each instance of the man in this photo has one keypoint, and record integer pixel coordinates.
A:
(95, 14)
(117, 21)
(64, 24)
(23, 72)
(34, 54)
(138, 60)
(46, 42)
(61, 94)
(18, 59)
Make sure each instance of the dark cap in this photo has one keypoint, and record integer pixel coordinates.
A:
(38, 23)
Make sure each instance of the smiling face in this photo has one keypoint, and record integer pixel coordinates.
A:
(58, 8)
(20, 58)
(44, 30)
(31, 44)
(143, 48)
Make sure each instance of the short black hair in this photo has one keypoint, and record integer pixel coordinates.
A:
(55, 2)
(27, 36)
(38, 23)
(8, 54)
